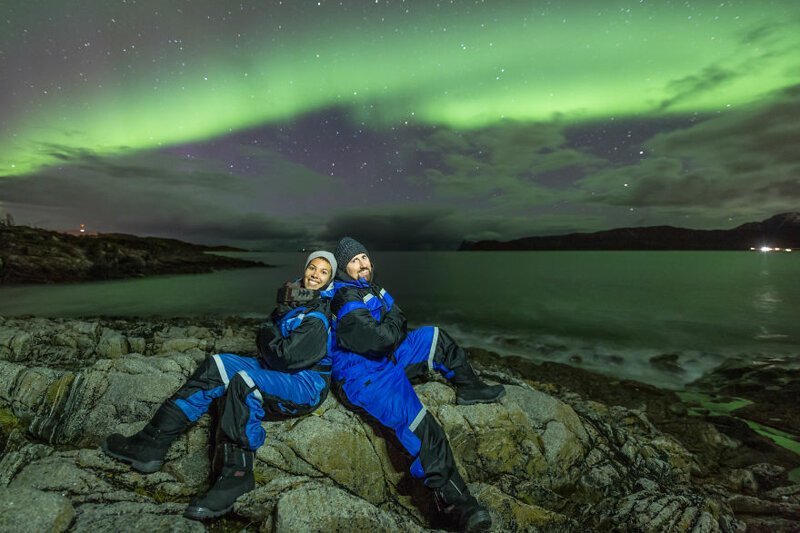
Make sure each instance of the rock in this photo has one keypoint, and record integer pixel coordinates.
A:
(127, 516)
(137, 344)
(667, 362)
(772, 384)
(183, 345)
(754, 506)
(327, 508)
(32, 255)
(743, 481)
(790, 494)
(544, 458)
(34, 511)
(17, 454)
(14, 344)
(334, 445)
(510, 514)
(112, 344)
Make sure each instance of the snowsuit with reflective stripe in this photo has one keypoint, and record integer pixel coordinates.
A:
(373, 358)
(291, 376)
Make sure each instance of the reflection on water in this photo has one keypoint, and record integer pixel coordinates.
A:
(766, 301)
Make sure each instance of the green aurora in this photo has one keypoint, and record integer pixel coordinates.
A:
(386, 65)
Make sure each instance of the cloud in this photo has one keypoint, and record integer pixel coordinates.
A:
(744, 160)
(688, 87)
(397, 229)
(155, 193)
(512, 164)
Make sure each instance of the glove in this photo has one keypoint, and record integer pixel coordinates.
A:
(293, 293)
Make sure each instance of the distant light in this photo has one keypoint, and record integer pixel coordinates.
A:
(766, 249)
(752, 248)
(788, 249)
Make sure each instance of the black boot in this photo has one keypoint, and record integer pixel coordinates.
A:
(471, 390)
(236, 479)
(145, 450)
(455, 501)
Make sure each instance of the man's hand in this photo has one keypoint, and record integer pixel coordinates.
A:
(292, 293)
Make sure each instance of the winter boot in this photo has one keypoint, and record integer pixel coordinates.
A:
(471, 390)
(145, 450)
(236, 479)
(455, 501)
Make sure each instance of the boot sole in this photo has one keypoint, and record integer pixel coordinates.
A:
(480, 521)
(461, 401)
(204, 513)
(145, 467)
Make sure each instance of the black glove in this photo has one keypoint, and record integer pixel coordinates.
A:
(293, 293)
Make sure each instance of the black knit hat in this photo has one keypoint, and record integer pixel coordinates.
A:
(347, 249)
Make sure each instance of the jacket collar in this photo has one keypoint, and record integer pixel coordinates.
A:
(350, 282)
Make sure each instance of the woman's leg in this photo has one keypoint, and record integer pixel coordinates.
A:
(253, 394)
(145, 450)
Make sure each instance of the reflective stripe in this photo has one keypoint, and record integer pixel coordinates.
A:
(383, 293)
(250, 383)
(418, 418)
(221, 367)
(456, 487)
(433, 348)
(368, 297)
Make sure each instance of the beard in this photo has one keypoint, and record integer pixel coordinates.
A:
(366, 274)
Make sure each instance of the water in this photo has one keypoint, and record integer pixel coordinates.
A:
(606, 311)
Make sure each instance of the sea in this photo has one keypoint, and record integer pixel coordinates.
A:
(663, 318)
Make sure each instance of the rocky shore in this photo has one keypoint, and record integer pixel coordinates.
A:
(31, 255)
(566, 450)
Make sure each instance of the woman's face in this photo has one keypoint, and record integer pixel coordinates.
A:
(318, 274)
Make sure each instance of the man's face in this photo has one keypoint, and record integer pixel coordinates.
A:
(360, 267)
(318, 274)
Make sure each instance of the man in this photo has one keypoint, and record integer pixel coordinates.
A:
(374, 355)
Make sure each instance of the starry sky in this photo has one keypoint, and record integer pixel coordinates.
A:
(408, 124)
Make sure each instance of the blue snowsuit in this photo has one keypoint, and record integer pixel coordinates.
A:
(291, 376)
(373, 358)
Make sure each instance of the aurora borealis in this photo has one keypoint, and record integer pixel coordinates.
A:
(413, 124)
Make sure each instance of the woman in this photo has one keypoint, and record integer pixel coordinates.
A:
(289, 378)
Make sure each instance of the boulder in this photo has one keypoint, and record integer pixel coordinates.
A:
(327, 508)
(112, 345)
(31, 510)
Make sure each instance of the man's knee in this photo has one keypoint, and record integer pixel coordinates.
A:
(445, 339)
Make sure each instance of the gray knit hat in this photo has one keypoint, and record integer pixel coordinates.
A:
(347, 249)
(327, 256)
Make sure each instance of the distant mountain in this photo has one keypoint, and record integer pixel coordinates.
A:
(32, 255)
(781, 231)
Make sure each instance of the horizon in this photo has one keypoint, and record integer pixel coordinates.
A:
(82, 232)
(412, 124)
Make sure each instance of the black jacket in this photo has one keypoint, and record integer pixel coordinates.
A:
(368, 322)
(303, 347)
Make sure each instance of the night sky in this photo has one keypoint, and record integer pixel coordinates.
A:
(278, 125)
